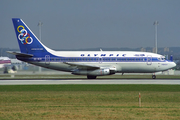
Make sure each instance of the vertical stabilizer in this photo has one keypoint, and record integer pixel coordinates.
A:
(28, 42)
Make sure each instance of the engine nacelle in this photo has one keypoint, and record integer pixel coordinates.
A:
(99, 72)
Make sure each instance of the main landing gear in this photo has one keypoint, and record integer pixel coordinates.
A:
(153, 76)
(91, 77)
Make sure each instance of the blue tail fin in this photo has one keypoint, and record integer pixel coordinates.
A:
(28, 42)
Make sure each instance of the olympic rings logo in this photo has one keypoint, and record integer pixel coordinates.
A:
(24, 37)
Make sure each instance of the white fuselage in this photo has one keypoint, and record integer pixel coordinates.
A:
(119, 61)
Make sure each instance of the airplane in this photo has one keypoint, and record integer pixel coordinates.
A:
(6, 65)
(4, 61)
(89, 63)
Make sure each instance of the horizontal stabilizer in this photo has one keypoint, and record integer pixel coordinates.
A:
(20, 54)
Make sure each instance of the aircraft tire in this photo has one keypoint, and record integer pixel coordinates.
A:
(91, 77)
(153, 77)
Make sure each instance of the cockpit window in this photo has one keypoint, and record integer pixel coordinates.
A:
(162, 58)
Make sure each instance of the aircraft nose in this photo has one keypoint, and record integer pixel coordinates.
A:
(173, 64)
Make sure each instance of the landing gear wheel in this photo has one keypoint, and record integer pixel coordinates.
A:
(154, 77)
(91, 77)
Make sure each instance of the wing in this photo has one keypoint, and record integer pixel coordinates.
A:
(89, 67)
(83, 66)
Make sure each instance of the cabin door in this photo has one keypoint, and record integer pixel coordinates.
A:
(149, 60)
(47, 59)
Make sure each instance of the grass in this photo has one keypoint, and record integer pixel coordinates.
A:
(44, 102)
(121, 88)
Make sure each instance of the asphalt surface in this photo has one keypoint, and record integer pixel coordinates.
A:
(104, 81)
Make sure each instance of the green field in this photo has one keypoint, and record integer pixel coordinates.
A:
(44, 102)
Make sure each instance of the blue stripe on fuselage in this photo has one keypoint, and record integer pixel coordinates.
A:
(91, 59)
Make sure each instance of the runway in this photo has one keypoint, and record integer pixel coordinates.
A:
(104, 81)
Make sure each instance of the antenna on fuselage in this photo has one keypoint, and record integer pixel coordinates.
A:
(101, 49)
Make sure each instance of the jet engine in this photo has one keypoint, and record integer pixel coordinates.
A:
(98, 72)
